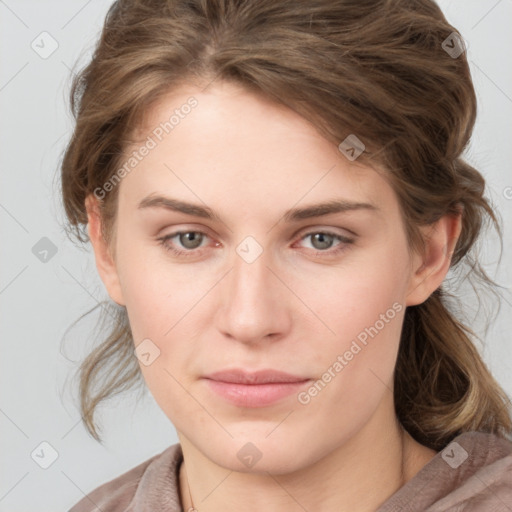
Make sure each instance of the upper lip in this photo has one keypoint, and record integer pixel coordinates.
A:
(239, 376)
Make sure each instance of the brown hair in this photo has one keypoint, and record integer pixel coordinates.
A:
(378, 69)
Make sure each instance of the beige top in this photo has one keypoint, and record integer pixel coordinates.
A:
(472, 474)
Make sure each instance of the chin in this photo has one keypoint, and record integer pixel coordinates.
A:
(257, 452)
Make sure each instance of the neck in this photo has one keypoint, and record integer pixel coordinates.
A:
(358, 475)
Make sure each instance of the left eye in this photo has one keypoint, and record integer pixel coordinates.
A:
(190, 239)
(322, 240)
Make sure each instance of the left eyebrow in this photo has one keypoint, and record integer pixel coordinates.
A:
(292, 215)
(334, 206)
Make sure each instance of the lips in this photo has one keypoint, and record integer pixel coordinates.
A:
(238, 376)
(254, 389)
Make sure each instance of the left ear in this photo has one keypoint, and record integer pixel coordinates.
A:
(431, 267)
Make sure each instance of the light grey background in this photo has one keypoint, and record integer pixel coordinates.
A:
(39, 301)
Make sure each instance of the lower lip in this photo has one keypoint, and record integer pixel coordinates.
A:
(255, 395)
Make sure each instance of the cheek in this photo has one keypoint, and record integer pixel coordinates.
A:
(163, 301)
(158, 293)
(363, 304)
(353, 296)
(161, 305)
(356, 365)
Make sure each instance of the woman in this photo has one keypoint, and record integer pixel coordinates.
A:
(275, 193)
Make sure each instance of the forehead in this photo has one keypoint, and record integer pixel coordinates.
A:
(228, 144)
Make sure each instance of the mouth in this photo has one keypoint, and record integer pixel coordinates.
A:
(254, 389)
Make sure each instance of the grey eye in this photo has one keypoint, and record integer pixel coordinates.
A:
(191, 239)
(321, 240)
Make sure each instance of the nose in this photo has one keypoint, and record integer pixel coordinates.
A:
(254, 302)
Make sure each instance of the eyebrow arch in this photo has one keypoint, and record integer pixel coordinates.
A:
(329, 207)
(175, 205)
(292, 215)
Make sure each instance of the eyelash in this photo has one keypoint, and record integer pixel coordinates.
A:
(192, 252)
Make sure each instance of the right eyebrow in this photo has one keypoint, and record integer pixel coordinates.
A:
(176, 205)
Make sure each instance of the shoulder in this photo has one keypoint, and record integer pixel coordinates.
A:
(124, 492)
(486, 471)
(473, 473)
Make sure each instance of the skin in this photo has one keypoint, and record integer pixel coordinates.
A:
(295, 308)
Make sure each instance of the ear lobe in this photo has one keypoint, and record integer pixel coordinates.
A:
(431, 268)
(105, 263)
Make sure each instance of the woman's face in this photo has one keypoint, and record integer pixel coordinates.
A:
(260, 279)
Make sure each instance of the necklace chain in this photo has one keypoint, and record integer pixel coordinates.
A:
(193, 508)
